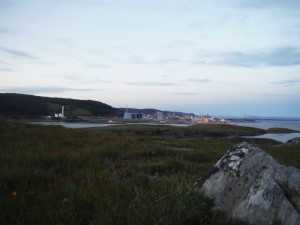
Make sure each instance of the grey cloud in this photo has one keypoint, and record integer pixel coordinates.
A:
(4, 63)
(116, 60)
(150, 83)
(196, 80)
(102, 66)
(270, 3)
(162, 61)
(130, 53)
(81, 79)
(6, 70)
(199, 62)
(181, 93)
(186, 43)
(6, 4)
(277, 95)
(137, 58)
(284, 56)
(65, 41)
(290, 82)
(185, 93)
(39, 89)
(6, 30)
(17, 53)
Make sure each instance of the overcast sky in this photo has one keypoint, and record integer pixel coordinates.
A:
(230, 57)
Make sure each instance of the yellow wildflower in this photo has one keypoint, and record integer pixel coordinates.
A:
(14, 194)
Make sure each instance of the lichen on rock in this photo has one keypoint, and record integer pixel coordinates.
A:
(250, 185)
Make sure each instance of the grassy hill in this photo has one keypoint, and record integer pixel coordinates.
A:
(20, 105)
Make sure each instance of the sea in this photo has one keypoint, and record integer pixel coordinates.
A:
(75, 125)
(266, 124)
(262, 124)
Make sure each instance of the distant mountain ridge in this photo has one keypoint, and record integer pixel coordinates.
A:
(22, 105)
(153, 111)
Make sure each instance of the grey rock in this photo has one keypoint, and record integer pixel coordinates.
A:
(250, 185)
(293, 142)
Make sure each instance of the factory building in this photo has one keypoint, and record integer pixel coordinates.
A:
(62, 114)
(133, 116)
(138, 116)
(127, 115)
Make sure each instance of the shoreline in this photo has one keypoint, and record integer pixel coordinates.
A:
(282, 134)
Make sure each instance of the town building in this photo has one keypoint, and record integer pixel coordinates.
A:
(160, 116)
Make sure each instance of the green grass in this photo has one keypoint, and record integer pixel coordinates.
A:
(287, 155)
(121, 175)
(276, 130)
(207, 130)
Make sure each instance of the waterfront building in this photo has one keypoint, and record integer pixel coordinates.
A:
(160, 116)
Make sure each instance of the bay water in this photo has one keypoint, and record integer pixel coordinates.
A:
(266, 124)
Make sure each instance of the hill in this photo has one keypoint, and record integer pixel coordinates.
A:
(21, 105)
(153, 111)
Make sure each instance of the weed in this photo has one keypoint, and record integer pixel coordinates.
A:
(53, 175)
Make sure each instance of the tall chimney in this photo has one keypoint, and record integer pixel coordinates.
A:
(63, 111)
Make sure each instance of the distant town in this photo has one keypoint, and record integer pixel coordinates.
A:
(23, 106)
(157, 117)
(172, 118)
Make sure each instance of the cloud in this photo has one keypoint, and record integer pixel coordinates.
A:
(186, 43)
(6, 70)
(17, 53)
(64, 41)
(196, 80)
(270, 3)
(277, 95)
(149, 83)
(139, 59)
(40, 90)
(102, 66)
(162, 61)
(283, 56)
(82, 79)
(6, 30)
(4, 63)
(184, 93)
(6, 4)
(291, 82)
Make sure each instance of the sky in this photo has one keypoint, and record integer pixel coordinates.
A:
(233, 57)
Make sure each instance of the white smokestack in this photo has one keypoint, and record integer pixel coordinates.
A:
(63, 111)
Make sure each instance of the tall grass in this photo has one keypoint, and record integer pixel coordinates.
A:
(287, 155)
(53, 175)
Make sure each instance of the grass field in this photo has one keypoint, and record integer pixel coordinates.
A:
(114, 175)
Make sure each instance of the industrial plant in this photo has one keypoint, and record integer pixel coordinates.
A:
(62, 114)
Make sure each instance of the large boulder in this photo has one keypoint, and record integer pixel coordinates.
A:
(250, 185)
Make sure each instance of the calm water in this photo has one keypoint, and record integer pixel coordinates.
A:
(73, 125)
(266, 124)
(278, 137)
(88, 125)
(263, 124)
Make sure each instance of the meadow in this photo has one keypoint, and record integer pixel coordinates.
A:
(115, 175)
